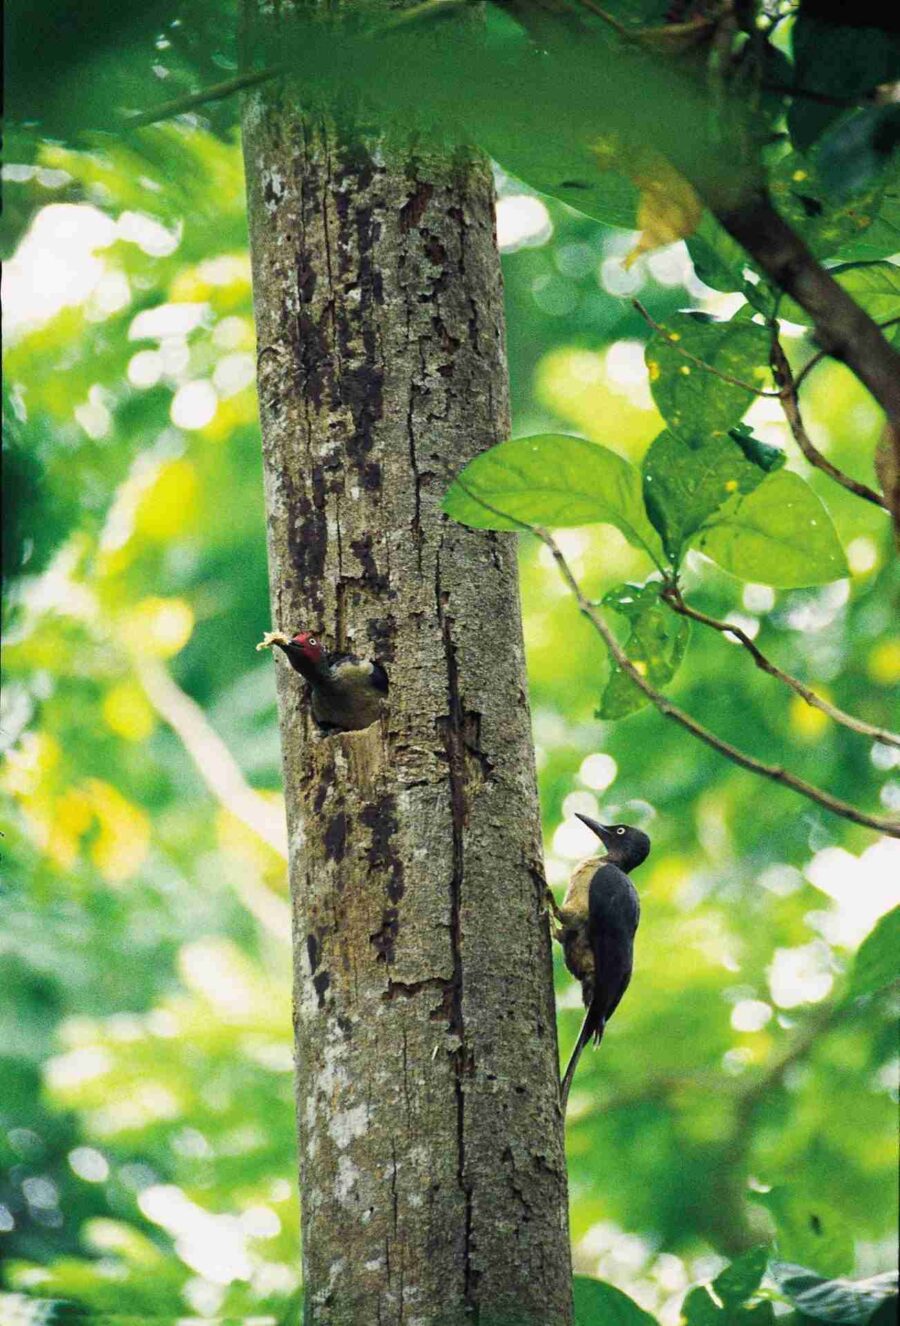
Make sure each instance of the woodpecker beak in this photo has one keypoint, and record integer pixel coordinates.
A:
(602, 833)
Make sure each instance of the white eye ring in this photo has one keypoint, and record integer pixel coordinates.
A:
(312, 641)
(620, 830)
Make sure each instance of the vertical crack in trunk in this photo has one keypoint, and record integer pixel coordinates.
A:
(463, 1062)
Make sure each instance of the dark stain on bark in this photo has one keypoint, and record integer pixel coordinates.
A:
(435, 251)
(325, 784)
(409, 989)
(335, 838)
(321, 982)
(382, 632)
(413, 209)
(372, 578)
(312, 952)
(320, 979)
(380, 817)
(313, 355)
(452, 730)
(384, 938)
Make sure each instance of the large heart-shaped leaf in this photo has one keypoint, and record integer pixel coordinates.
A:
(780, 534)
(686, 479)
(555, 480)
(692, 399)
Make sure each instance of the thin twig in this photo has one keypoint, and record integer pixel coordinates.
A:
(672, 596)
(695, 359)
(820, 98)
(781, 370)
(881, 823)
(665, 706)
(166, 110)
(825, 354)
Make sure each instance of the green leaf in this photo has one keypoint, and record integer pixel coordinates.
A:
(766, 457)
(808, 1230)
(842, 61)
(854, 153)
(882, 238)
(656, 644)
(719, 260)
(825, 223)
(877, 963)
(687, 479)
(700, 1308)
(692, 399)
(874, 285)
(742, 1278)
(848, 1302)
(552, 479)
(780, 534)
(600, 1304)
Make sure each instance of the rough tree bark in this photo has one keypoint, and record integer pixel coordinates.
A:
(431, 1152)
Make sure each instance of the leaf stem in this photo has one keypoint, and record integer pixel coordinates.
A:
(671, 595)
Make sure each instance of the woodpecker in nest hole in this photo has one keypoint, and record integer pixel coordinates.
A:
(596, 926)
(346, 692)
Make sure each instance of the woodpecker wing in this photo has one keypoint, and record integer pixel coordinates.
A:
(351, 668)
(350, 694)
(614, 911)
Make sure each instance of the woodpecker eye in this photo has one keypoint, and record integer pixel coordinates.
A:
(312, 641)
(620, 830)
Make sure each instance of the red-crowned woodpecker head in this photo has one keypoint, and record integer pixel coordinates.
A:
(305, 643)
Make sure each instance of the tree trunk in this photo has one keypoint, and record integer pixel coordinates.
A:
(432, 1168)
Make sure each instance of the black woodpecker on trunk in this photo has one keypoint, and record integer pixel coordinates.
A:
(346, 692)
(596, 926)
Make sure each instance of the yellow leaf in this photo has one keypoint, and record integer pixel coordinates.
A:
(170, 503)
(668, 209)
(127, 712)
(807, 722)
(884, 662)
(120, 847)
(158, 626)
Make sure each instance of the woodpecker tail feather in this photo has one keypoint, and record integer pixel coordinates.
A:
(589, 1030)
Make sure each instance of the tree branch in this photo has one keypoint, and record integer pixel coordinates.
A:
(166, 110)
(673, 597)
(823, 354)
(881, 823)
(791, 406)
(665, 706)
(221, 774)
(841, 327)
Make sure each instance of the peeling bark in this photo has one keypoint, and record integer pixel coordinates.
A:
(432, 1168)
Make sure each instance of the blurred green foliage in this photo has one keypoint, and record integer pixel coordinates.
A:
(747, 1088)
